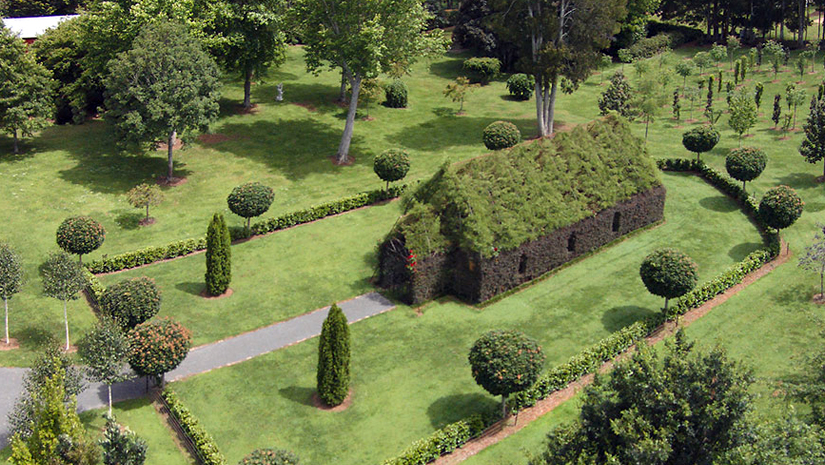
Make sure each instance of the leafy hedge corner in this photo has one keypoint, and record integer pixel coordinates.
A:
(180, 248)
(205, 445)
(441, 442)
(94, 288)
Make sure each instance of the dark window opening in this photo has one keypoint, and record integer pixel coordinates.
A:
(617, 219)
(522, 265)
(571, 243)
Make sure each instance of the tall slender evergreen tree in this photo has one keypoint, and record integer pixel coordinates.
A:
(218, 256)
(334, 358)
(813, 147)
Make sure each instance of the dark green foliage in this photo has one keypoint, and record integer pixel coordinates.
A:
(649, 47)
(505, 362)
(396, 94)
(668, 273)
(813, 147)
(63, 277)
(392, 165)
(482, 69)
(687, 407)
(786, 441)
(11, 277)
(204, 443)
(777, 110)
(746, 163)
(80, 235)
(105, 352)
(441, 442)
(521, 86)
(27, 8)
(736, 71)
(121, 446)
(158, 346)
(334, 358)
(131, 301)
(270, 457)
(676, 106)
(250, 200)
(501, 135)
(218, 256)
(617, 96)
(700, 140)
(780, 207)
(757, 96)
(538, 188)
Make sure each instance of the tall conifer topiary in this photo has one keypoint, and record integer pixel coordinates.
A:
(333, 358)
(218, 256)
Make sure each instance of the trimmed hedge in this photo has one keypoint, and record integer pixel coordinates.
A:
(206, 447)
(649, 47)
(180, 248)
(590, 359)
(482, 69)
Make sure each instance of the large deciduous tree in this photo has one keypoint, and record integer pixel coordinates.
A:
(559, 38)
(25, 89)
(254, 39)
(164, 86)
(11, 277)
(363, 39)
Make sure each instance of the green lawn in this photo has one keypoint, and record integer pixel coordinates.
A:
(410, 373)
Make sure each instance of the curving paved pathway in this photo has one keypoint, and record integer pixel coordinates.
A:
(203, 358)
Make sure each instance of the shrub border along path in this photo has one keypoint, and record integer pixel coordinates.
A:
(502, 429)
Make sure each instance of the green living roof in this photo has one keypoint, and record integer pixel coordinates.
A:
(501, 200)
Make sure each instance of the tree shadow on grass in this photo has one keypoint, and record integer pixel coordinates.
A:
(798, 293)
(294, 148)
(450, 68)
(33, 337)
(740, 251)
(800, 181)
(452, 131)
(617, 318)
(298, 394)
(191, 288)
(129, 220)
(718, 203)
(450, 409)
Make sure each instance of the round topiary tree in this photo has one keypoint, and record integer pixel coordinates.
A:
(396, 94)
(218, 256)
(780, 207)
(505, 362)
(250, 200)
(333, 358)
(668, 273)
(700, 140)
(270, 457)
(158, 347)
(501, 135)
(80, 235)
(521, 86)
(746, 164)
(131, 301)
(392, 165)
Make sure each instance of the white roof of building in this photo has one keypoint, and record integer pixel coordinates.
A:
(29, 28)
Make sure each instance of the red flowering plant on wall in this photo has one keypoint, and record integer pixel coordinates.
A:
(412, 261)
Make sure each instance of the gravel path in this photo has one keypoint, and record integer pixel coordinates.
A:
(203, 358)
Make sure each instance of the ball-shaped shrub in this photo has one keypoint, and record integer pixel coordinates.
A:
(780, 207)
(250, 200)
(746, 163)
(668, 273)
(270, 457)
(700, 140)
(504, 362)
(80, 235)
(482, 69)
(392, 165)
(521, 86)
(131, 301)
(395, 92)
(158, 346)
(501, 135)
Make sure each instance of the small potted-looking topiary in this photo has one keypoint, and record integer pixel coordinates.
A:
(501, 135)
(521, 86)
(250, 200)
(392, 165)
(700, 140)
(746, 164)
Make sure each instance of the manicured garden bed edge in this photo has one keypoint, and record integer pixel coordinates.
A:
(180, 248)
(205, 445)
(455, 435)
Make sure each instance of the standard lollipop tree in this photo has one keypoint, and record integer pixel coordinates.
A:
(668, 273)
(80, 235)
(746, 164)
(700, 140)
(250, 200)
(780, 208)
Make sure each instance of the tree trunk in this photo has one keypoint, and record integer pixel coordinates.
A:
(16, 146)
(342, 94)
(343, 149)
(540, 107)
(66, 320)
(666, 299)
(247, 90)
(550, 107)
(147, 213)
(6, 304)
(248, 223)
(803, 16)
(782, 22)
(171, 142)
(647, 123)
(110, 398)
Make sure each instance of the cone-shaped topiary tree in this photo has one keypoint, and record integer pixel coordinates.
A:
(668, 273)
(334, 358)
(218, 256)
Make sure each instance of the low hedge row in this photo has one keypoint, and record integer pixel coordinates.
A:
(441, 442)
(205, 445)
(94, 288)
(590, 359)
(180, 248)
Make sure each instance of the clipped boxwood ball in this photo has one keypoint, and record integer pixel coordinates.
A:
(270, 457)
(396, 94)
(250, 199)
(521, 86)
(131, 302)
(158, 346)
(668, 273)
(392, 165)
(746, 163)
(501, 135)
(700, 140)
(780, 207)
(80, 235)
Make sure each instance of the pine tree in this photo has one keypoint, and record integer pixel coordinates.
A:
(218, 256)
(777, 110)
(813, 147)
(334, 358)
